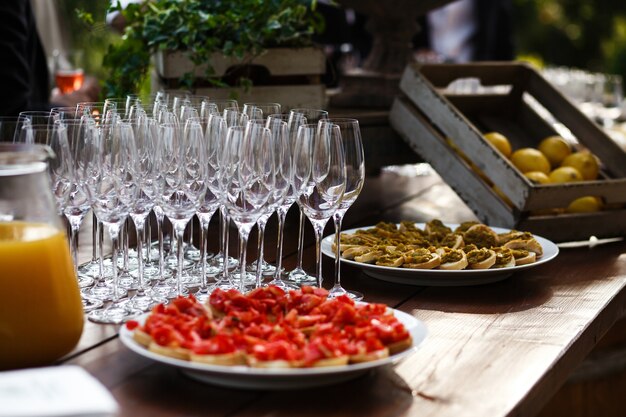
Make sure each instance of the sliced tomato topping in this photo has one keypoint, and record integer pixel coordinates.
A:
(132, 324)
(270, 324)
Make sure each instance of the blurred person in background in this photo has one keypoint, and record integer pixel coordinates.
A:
(467, 30)
(24, 73)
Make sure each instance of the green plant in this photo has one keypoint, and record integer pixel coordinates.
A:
(235, 28)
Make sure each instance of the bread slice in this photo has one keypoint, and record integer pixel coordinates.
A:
(523, 257)
(223, 359)
(504, 257)
(336, 361)
(531, 245)
(369, 257)
(421, 259)
(480, 235)
(141, 337)
(452, 259)
(354, 251)
(400, 345)
(481, 258)
(370, 356)
(276, 364)
(172, 352)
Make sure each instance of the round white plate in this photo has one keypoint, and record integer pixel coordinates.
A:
(438, 277)
(277, 379)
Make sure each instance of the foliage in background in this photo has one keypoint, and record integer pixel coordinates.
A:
(587, 34)
(94, 37)
(236, 28)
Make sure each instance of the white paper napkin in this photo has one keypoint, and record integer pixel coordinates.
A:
(57, 391)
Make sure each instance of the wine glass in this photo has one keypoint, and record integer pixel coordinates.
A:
(234, 117)
(97, 110)
(8, 128)
(610, 107)
(260, 110)
(146, 136)
(298, 117)
(326, 184)
(283, 194)
(214, 135)
(248, 181)
(80, 136)
(355, 177)
(181, 180)
(114, 191)
(223, 104)
(68, 70)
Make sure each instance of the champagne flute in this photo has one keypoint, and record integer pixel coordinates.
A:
(181, 181)
(213, 137)
(326, 184)
(355, 177)
(610, 108)
(146, 136)
(248, 180)
(114, 193)
(283, 194)
(298, 117)
(260, 110)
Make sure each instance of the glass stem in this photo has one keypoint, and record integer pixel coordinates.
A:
(337, 219)
(224, 218)
(300, 239)
(100, 233)
(114, 231)
(159, 222)
(179, 230)
(125, 244)
(279, 245)
(148, 240)
(260, 256)
(74, 246)
(94, 237)
(243, 243)
(318, 254)
(204, 229)
(140, 238)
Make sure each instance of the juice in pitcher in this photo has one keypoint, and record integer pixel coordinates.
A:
(41, 316)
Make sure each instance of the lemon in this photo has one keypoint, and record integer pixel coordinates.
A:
(537, 177)
(565, 174)
(588, 204)
(555, 148)
(500, 142)
(530, 159)
(585, 162)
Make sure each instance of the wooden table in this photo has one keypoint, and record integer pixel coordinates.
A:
(494, 350)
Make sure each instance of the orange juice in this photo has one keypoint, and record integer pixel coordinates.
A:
(41, 317)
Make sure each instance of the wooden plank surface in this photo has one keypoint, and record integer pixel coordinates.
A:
(494, 350)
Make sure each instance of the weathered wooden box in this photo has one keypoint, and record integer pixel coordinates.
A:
(513, 97)
(290, 76)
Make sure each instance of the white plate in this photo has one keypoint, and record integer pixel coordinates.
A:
(277, 379)
(438, 277)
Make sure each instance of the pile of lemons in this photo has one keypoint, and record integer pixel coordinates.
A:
(553, 162)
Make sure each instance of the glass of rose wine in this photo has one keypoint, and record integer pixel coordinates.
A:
(68, 70)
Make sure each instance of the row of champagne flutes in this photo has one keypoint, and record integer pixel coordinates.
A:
(196, 159)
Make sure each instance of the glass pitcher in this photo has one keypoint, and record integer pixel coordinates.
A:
(41, 316)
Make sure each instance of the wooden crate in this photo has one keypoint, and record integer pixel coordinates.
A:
(429, 120)
(290, 76)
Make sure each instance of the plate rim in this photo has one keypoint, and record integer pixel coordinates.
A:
(416, 328)
(435, 277)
